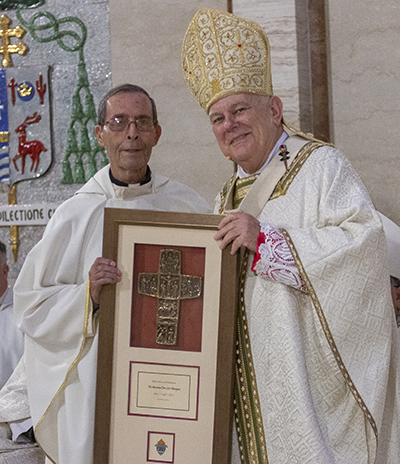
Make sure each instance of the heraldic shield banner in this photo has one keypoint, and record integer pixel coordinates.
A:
(25, 124)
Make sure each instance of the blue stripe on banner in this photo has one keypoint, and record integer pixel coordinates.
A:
(4, 166)
(4, 155)
(4, 178)
(3, 102)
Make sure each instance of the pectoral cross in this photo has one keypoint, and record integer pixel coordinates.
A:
(169, 286)
(284, 155)
(5, 34)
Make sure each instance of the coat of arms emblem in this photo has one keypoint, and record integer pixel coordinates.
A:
(25, 136)
(161, 447)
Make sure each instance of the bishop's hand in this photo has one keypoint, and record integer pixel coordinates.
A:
(240, 229)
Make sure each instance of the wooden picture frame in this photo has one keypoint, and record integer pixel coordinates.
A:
(166, 341)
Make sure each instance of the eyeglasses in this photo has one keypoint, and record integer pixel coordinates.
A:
(121, 123)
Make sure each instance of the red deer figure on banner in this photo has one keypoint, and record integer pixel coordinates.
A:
(32, 148)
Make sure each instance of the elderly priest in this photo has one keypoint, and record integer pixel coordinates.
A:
(57, 292)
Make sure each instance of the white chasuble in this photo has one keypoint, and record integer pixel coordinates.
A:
(325, 360)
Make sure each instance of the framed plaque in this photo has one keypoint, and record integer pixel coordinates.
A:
(166, 341)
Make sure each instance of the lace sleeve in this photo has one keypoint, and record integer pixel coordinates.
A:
(274, 260)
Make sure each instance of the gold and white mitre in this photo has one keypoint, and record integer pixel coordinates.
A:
(222, 55)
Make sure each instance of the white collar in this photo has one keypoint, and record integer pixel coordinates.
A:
(133, 190)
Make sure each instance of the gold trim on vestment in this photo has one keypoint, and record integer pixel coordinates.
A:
(304, 135)
(241, 188)
(328, 334)
(88, 307)
(226, 193)
(284, 183)
(247, 408)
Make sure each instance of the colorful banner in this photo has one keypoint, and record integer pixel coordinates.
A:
(25, 124)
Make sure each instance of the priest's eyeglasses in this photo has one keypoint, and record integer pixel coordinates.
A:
(122, 123)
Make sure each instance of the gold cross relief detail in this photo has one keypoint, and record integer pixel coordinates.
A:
(169, 286)
(6, 48)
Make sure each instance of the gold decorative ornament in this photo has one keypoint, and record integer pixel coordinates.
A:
(222, 55)
(4, 136)
(14, 231)
(6, 48)
(25, 90)
(169, 286)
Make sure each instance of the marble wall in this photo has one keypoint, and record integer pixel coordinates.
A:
(364, 38)
(278, 19)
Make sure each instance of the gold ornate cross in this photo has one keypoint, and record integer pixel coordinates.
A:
(169, 286)
(6, 49)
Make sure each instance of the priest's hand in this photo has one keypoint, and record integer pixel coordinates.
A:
(103, 271)
(240, 229)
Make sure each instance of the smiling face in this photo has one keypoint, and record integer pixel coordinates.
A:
(247, 127)
(129, 150)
